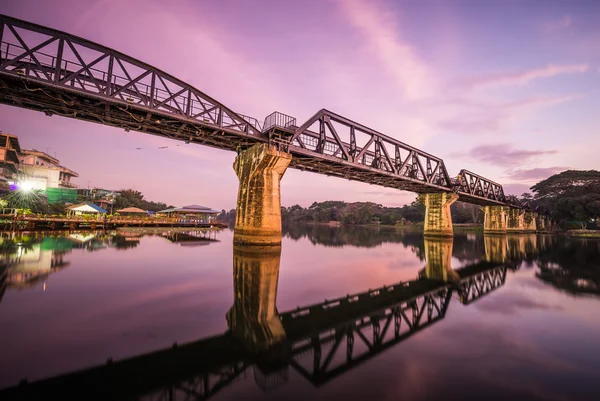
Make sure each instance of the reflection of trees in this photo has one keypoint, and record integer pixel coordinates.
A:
(572, 265)
(363, 237)
(122, 242)
(468, 247)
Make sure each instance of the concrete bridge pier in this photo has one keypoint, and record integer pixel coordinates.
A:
(438, 219)
(529, 221)
(253, 318)
(516, 220)
(438, 257)
(495, 220)
(258, 212)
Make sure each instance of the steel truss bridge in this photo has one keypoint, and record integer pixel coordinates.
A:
(61, 74)
(323, 341)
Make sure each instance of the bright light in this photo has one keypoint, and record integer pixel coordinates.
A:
(26, 186)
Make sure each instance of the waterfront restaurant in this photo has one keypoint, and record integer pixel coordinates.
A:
(192, 214)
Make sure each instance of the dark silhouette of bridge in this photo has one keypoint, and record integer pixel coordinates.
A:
(61, 74)
(336, 335)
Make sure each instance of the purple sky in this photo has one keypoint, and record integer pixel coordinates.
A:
(507, 89)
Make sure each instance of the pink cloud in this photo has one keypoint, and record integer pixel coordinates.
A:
(524, 77)
(485, 117)
(505, 154)
(397, 55)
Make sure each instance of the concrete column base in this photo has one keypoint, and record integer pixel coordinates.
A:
(258, 211)
(438, 219)
(253, 317)
(529, 222)
(516, 220)
(495, 219)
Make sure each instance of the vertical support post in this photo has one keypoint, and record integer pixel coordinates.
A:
(258, 211)
(516, 220)
(438, 219)
(529, 221)
(495, 219)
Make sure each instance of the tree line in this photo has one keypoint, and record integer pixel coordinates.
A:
(572, 198)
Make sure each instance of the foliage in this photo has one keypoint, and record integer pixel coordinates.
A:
(353, 213)
(133, 198)
(568, 183)
(227, 217)
(572, 196)
(33, 200)
(466, 213)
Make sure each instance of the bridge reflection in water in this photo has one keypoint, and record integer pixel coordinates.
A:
(320, 341)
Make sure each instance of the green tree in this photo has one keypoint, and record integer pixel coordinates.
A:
(571, 196)
(128, 198)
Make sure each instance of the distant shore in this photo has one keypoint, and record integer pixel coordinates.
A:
(583, 233)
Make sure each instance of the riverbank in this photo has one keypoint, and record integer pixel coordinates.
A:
(583, 233)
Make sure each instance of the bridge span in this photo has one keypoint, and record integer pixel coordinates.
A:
(57, 73)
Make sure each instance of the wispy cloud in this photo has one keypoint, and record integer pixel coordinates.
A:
(534, 174)
(486, 117)
(397, 55)
(525, 76)
(556, 25)
(504, 154)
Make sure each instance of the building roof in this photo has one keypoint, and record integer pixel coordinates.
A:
(14, 141)
(190, 209)
(86, 207)
(67, 170)
(35, 152)
(131, 210)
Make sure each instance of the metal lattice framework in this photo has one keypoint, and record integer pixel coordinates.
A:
(334, 351)
(57, 73)
(476, 286)
(61, 74)
(351, 150)
(476, 185)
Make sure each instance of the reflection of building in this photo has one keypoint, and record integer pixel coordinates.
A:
(193, 213)
(9, 155)
(29, 262)
(191, 238)
(43, 171)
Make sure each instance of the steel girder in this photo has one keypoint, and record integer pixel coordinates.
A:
(57, 73)
(336, 145)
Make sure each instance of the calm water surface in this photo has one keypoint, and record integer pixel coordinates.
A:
(522, 318)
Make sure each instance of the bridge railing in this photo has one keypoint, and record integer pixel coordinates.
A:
(279, 120)
(40, 54)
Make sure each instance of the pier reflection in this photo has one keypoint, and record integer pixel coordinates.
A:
(325, 340)
(319, 341)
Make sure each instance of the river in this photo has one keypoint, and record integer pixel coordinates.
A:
(506, 317)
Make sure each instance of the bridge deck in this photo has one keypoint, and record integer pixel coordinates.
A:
(60, 74)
